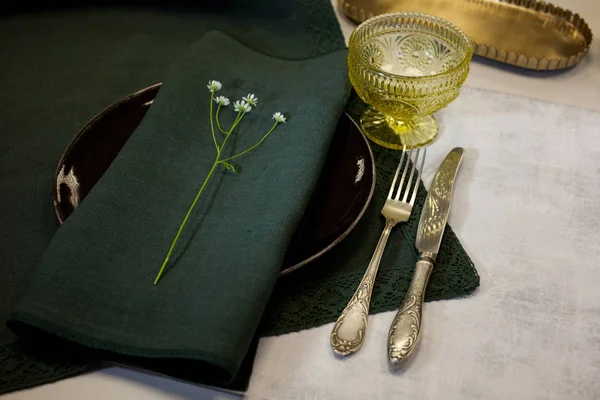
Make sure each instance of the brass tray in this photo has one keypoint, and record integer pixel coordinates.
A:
(526, 33)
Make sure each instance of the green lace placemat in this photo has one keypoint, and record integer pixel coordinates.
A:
(316, 294)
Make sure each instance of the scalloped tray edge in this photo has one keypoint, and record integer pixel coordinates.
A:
(491, 52)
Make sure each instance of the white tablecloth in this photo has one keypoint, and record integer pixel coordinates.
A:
(526, 208)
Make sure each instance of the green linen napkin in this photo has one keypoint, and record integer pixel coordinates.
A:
(93, 285)
(65, 61)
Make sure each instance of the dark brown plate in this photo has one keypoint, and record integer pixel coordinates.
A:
(341, 197)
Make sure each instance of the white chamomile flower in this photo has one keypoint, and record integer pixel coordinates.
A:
(279, 117)
(251, 99)
(242, 106)
(222, 101)
(214, 86)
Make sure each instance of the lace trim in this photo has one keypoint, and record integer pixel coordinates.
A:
(321, 26)
(20, 368)
(320, 302)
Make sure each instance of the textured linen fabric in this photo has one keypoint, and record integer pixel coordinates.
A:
(65, 62)
(93, 285)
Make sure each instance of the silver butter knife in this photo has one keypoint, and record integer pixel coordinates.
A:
(406, 327)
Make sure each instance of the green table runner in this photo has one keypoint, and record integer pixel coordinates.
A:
(63, 67)
(93, 285)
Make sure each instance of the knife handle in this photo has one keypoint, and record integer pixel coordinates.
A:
(406, 327)
(349, 330)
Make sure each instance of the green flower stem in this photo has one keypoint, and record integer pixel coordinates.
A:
(237, 120)
(235, 123)
(210, 173)
(218, 123)
(212, 128)
(252, 147)
(164, 264)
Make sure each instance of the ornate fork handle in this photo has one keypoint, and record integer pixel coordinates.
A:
(349, 331)
(406, 327)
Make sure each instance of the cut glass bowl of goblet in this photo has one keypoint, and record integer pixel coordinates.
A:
(406, 67)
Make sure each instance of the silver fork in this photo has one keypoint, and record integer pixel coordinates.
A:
(349, 331)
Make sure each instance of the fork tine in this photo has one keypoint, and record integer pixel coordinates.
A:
(397, 173)
(403, 174)
(412, 172)
(414, 194)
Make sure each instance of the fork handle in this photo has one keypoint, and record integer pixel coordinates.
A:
(406, 327)
(349, 331)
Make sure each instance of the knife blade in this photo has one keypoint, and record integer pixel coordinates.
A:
(406, 327)
(437, 205)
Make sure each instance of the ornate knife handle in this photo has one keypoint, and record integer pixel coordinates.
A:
(349, 331)
(405, 329)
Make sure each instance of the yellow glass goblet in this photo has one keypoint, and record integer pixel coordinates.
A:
(406, 66)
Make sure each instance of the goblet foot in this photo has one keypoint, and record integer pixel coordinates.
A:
(395, 134)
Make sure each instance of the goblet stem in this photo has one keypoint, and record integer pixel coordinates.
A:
(396, 133)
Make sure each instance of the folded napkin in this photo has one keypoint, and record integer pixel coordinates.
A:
(93, 285)
(62, 67)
